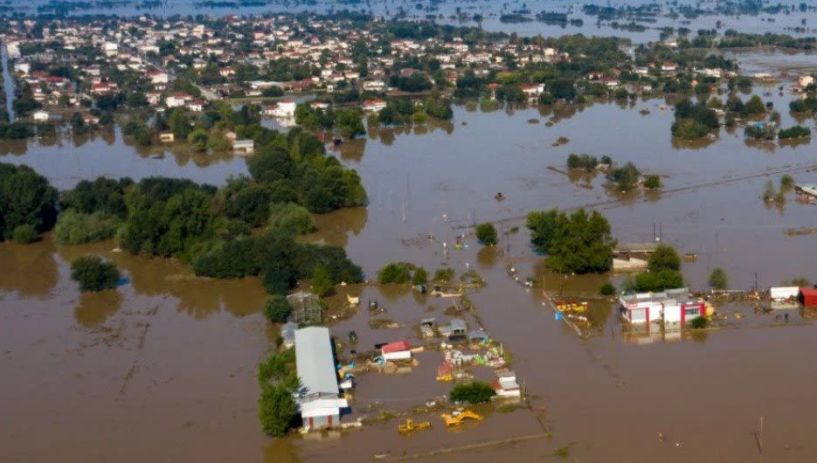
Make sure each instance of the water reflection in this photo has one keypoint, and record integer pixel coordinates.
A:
(353, 150)
(169, 278)
(197, 297)
(280, 451)
(29, 270)
(93, 309)
(335, 227)
(65, 158)
(487, 256)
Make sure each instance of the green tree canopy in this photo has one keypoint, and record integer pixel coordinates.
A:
(94, 274)
(575, 243)
(26, 198)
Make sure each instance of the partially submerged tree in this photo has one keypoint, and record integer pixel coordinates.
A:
(718, 279)
(94, 274)
(577, 243)
(395, 272)
(473, 393)
(486, 234)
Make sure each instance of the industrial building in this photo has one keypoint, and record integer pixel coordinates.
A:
(318, 398)
(671, 308)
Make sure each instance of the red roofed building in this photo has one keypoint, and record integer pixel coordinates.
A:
(808, 297)
(400, 350)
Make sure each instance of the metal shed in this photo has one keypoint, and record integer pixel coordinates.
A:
(318, 397)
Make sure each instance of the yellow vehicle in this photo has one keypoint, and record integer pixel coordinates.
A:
(577, 307)
(457, 417)
(445, 378)
(409, 425)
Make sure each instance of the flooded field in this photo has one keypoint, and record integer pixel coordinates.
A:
(163, 368)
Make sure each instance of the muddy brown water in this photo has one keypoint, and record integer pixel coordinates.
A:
(163, 368)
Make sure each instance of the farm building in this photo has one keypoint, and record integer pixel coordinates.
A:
(400, 350)
(808, 297)
(673, 307)
(318, 397)
(306, 308)
(506, 385)
(456, 329)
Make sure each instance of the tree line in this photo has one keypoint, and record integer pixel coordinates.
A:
(209, 227)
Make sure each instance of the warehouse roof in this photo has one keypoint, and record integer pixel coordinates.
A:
(315, 362)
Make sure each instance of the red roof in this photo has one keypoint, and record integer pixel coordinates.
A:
(398, 346)
(808, 296)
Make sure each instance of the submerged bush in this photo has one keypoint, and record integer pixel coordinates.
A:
(607, 289)
(717, 279)
(395, 272)
(486, 234)
(25, 234)
(699, 323)
(652, 182)
(582, 161)
(473, 393)
(94, 274)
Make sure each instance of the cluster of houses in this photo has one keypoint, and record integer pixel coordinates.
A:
(154, 51)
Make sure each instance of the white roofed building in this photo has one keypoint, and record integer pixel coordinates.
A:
(318, 397)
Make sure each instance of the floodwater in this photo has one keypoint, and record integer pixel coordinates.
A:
(67, 159)
(163, 368)
(446, 12)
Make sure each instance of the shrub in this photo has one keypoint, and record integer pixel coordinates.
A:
(755, 105)
(321, 280)
(420, 277)
(796, 131)
(94, 274)
(77, 228)
(786, 181)
(652, 182)
(718, 279)
(759, 131)
(582, 161)
(395, 272)
(659, 281)
(444, 275)
(277, 309)
(24, 234)
(473, 393)
(625, 177)
(699, 323)
(486, 234)
(607, 289)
